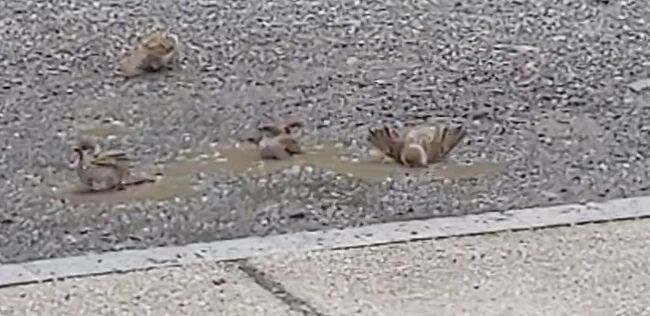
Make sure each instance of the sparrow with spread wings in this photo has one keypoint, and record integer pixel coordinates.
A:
(420, 146)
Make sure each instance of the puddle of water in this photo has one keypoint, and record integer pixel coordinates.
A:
(374, 170)
(162, 189)
(246, 160)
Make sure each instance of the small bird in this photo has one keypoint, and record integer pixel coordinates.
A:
(275, 140)
(156, 51)
(89, 145)
(104, 170)
(100, 175)
(421, 146)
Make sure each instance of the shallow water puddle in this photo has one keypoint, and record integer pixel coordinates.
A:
(162, 189)
(246, 160)
(177, 174)
(376, 169)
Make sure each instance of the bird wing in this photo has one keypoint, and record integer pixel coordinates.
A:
(291, 145)
(441, 140)
(103, 162)
(112, 154)
(272, 129)
(386, 141)
(451, 137)
(119, 168)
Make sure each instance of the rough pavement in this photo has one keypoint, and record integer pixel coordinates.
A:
(544, 85)
(596, 269)
(216, 289)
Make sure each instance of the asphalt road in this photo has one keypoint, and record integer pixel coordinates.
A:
(544, 87)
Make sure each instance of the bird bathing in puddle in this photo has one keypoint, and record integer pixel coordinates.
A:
(275, 140)
(105, 177)
(420, 146)
(271, 146)
(422, 149)
(103, 170)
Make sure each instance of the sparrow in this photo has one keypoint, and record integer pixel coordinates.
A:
(103, 170)
(275, 140)
(155, 52)
(100, 175)
(420, 146)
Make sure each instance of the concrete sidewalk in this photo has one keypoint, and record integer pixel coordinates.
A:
(595, 269)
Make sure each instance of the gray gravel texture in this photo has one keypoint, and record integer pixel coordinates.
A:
(546, 84)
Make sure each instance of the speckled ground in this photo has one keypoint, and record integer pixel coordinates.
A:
(544, 87)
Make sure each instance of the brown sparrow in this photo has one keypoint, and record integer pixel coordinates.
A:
(100, 175)
(103, 170)
(420, 146)
(275, 140)
(156, 51)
